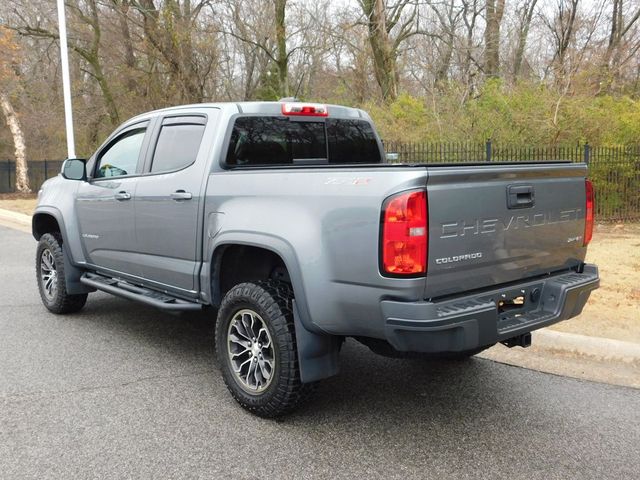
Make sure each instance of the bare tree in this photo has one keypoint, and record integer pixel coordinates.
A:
(524, 17)
(448, 15)
(471, 12)
(494, 11)
(87, 48)
(381, 19)
(123, 9)
(562, 27)
(169, 27)
(272, 42)
(8, 77)
(255, 58)
(614, 57)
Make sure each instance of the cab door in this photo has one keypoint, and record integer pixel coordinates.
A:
(104, 203)
(167, 203)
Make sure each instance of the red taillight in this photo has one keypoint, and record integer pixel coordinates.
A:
(308, 109)
(588, 212)
(404, 234)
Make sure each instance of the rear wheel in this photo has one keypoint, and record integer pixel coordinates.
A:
(256, 348)
(51, 279)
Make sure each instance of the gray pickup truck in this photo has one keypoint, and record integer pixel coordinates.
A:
(287, 220)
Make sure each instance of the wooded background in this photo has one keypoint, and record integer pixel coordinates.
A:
(527, 72)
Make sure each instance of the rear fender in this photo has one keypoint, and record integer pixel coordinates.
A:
(317, 350)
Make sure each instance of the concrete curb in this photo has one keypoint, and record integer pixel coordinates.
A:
(598, 348)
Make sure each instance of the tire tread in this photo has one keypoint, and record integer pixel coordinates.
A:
(64, 302)
(275, 298)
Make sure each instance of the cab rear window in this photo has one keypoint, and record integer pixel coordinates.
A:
(278, 141)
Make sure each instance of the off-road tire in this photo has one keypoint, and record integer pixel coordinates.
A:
(60, 302)
(272, 301)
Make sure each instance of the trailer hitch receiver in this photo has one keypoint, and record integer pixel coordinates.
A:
(523, 341)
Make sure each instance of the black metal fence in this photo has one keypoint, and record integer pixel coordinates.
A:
(38, 173)
(615, 171)
(490, 152)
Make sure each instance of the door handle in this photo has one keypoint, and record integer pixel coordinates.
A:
(122, 196)
(520, 196)
(181, 195)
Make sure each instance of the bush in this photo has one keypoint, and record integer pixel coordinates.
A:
(523, 114)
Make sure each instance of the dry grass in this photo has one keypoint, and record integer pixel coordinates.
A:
(18, 202)
(613, 310)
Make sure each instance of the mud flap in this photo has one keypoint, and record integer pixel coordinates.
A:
(72, 276)
(317, 353)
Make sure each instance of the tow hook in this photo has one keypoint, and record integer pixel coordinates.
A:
(523, 341)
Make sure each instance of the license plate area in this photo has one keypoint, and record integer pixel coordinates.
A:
(517, 301)
(509, 304)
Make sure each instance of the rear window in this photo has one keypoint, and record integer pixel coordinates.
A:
(277, 141)
(352, 141)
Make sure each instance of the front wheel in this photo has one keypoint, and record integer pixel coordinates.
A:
(50, 276)
(256, 348)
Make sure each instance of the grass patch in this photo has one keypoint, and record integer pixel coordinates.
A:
(17, 202)
(613, 311)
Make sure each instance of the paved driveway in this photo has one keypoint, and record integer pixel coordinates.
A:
(122, 390)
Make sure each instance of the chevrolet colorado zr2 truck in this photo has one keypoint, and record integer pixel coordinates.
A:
(286, 219)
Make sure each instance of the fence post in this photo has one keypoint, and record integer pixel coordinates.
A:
(587, 153)
(9, 173)
(488, 149)
(45, 170)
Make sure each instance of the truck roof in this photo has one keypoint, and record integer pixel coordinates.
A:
(266, 108)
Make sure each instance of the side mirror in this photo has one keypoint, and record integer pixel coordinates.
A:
(74, 169)
(392, 157)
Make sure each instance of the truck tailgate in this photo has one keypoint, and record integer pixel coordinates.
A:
(495, 224)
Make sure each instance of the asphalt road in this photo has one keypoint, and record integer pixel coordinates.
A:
(124, 391)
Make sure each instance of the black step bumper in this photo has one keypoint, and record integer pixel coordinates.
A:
(465, 323)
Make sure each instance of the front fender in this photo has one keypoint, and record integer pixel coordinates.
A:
(57, 199)
(72, 273)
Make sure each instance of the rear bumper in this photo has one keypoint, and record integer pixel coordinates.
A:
(466, 323)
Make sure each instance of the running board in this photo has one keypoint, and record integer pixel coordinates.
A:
(139, 294)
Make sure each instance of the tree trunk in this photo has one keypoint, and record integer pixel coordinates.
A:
(22, 178)
(282, 60)
(122, 7)
(471, 11)
(526, 18)
(384, 56)
(169, 30)
(611, 68)
(494, 12)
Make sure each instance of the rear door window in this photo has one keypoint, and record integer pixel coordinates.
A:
(178, 143)
(278, 141)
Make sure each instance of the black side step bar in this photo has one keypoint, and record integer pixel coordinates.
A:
(139, 294)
